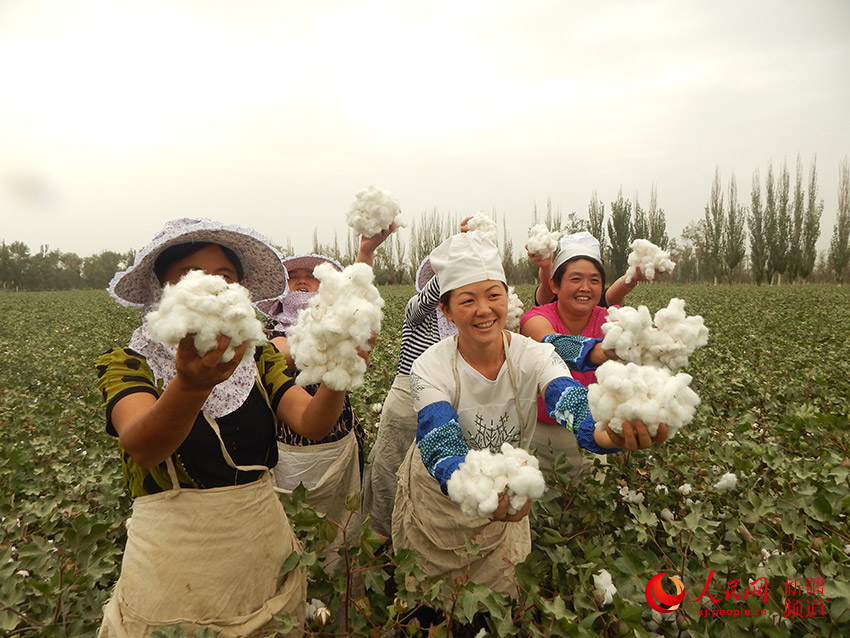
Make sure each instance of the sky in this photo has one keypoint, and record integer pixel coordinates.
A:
(117, 116)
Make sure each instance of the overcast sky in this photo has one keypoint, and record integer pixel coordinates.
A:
(117, 116)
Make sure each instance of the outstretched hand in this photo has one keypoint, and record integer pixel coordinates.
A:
(636, 435)
(205, 372)
(501, 513)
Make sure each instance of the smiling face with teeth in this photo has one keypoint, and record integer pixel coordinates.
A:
(479, 311)
(580, 287)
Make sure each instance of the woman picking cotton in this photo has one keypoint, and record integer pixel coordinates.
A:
(330, 468)
(474, 391)
(208, 535)
(579, 309)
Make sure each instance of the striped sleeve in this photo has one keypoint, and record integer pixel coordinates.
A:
(566, 403)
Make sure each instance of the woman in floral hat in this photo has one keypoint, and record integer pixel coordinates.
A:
(208, 536)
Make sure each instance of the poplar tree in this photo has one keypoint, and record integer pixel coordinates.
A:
(795, 244)
(657, 222)
(734, 248)
(758, 240)
(619, 233)
(640, 222)
(839, 247)
(596, 218)
(778, 222)
(811, 225)
(713, 229)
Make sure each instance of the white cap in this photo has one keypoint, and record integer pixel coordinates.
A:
(581, 244)
(466, 258)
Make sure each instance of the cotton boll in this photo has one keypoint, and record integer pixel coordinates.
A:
(373, 210)
(514, 310)
(483, 477)
(629, 392)
(649, 258)
(727, 482)
(665, 341)
(603, 584)
(541, 241)
(485, 224)
(206, 306)
(339, 319)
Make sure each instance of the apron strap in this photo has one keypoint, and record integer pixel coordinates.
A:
(511, 374)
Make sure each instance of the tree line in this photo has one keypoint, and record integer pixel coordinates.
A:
(769, 239)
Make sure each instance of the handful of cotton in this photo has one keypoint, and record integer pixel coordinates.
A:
(629, 392)
(541, 241)
(481, 480)
(373, 211)
(485, 224)
(514, 310)
(339, 319)
(668, 343)
(649, 258)
(206, 306)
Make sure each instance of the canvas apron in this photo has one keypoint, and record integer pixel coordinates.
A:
(330, 472)
(396, 431)
(429, 522)
(206, 558)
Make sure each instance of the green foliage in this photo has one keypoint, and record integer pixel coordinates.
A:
(776, 398)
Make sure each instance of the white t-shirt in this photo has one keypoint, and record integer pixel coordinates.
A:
(487, 410)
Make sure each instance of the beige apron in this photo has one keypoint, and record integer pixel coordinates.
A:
(206, 558)
(330, 472)
(396, 431)
(429, 522)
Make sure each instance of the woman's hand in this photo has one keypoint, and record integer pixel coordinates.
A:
(464, 224)
(204, 373)
(365, 352)
(368, 245)
(501, 513)
(541, 261)
(599, 355)
(636, 436)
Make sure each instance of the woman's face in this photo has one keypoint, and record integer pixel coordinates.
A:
(302, 279)
(479, 311)
(211, 259)
(581, 287)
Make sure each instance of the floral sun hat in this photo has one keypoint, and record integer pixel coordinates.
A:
(423, 274)
(283, 311)
(264, 275)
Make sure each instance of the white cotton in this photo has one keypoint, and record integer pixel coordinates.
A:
(685, 489)
(514, 310)
(317, 611)
(649, 258)
(485, 224)
(629, 392)
(373, 211)
(661, 489)
(542, 241)
(667, 515)
(206, 306)
(483, 477)
(665, 341)
(727, 482)
(603, 583)
(339, 319)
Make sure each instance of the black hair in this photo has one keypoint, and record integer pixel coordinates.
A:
(173, 254)
(559, 273)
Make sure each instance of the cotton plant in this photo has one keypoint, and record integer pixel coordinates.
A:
(629, 392)
(483, 477)
(373, 210)
(650, 258)
(542, 241)
(206, 306)
(667, 340)
(485, 224)
(514, 310)
(339, 320)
